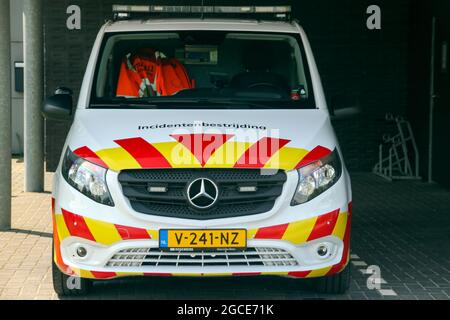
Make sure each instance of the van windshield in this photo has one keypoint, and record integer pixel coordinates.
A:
(202, 69)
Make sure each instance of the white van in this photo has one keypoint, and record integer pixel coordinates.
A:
(200, 147)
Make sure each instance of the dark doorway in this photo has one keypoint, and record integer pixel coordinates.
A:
(441, 131)
(420, 45)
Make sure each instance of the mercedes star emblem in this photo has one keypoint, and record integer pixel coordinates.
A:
(202, 193)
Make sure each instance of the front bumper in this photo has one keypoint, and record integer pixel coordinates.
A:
(119, 241)
(280, 250)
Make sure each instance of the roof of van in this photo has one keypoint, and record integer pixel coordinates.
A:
(201, 24)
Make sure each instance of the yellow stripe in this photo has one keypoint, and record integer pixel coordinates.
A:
(118, 159)
(129, 274)
(82, 273)
(319, 272)
(85, 274)
(298, 232)
(251, 233)
(76, 271)
(227, 155)
(61, 227)
(154, 234)
(103, 232)
(286, 159)
(341, 223)
(274, 273)
(177, 155)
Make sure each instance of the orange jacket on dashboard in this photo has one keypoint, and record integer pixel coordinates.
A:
(150, 73)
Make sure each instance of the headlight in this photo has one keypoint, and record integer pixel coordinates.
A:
(86, 177)
(317, 177)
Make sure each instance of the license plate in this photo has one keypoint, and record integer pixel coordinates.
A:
(202, 239)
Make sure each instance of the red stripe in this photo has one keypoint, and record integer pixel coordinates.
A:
(57, 245)
(144, 153)
(91, 156)
(315, 155)
(202, 146)
(77, 226)
(130, 233)
(324, 225)
(246, 274)
(275, 232)
(57, 250)
(103, 275)
(299, 274)
(341, 265)
(260, 153)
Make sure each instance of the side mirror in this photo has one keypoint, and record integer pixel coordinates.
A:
(58, 107)
(344, 107)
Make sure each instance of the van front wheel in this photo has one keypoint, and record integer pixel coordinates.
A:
(66, 286)
(335, 284)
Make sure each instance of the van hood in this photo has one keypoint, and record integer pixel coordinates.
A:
(134, 139)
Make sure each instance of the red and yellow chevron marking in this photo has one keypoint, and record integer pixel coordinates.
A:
(98, 231)
(145, 154)
(260, 153)
(90, 155)
(336, 223)
(57, 244)
(202, 146)
(202, 151)
(316, 154)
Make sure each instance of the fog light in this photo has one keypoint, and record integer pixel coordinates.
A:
(322, 251)
(248, 189)
(81, 252)
(155, 189)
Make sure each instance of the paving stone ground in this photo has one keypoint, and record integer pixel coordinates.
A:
(403, 228)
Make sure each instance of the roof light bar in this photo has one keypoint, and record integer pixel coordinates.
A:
(128, 9)
(275, 9)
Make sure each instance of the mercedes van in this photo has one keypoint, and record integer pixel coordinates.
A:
(201, 146)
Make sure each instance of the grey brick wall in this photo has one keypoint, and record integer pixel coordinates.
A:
(371, 65)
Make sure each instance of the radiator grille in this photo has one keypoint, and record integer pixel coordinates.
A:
(174, 203)
(141, 257)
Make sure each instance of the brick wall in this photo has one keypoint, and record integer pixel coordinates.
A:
(370, 65)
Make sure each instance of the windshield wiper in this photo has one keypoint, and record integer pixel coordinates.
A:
(232, 104)
(229, 103)
(204, 102)
(191, 103)
(146, 103)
